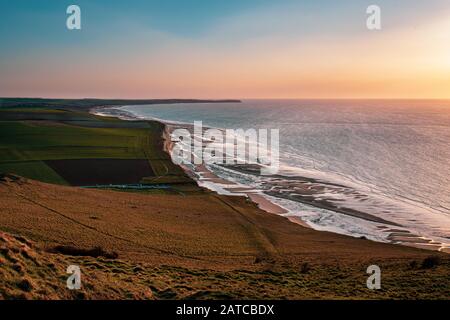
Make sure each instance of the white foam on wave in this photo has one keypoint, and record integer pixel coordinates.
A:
(415, 217)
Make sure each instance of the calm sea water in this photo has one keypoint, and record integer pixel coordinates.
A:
(395, 152)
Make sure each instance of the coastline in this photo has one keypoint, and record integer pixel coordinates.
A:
(181, 242)
(208, 179)
(206, 175)
(233, 188)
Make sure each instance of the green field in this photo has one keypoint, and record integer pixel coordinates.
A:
(31, 136)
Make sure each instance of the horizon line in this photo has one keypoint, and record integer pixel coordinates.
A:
(216, 99)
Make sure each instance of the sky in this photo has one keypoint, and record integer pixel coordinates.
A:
(225, 49)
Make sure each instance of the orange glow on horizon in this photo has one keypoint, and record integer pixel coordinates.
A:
(384, 64)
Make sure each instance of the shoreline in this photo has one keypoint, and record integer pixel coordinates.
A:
(207, 179)
(210, 176)
(259, 200)
(185, 242)
(231, 187)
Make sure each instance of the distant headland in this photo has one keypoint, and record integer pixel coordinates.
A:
(89, 102)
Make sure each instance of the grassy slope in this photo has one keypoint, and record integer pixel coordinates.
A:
(27, 272)
(192, 247)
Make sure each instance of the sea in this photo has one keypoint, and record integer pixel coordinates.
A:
(389, 159)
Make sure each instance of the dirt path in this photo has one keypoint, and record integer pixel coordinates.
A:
(267, 250)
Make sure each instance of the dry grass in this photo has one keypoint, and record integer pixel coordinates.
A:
(77, 252)
(27, 272)
(197, 246)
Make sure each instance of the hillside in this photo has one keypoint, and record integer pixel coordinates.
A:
(169, 246)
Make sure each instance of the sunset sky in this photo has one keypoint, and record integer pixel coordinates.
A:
(225, 49)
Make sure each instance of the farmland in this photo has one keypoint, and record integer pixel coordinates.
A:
(77, 148)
